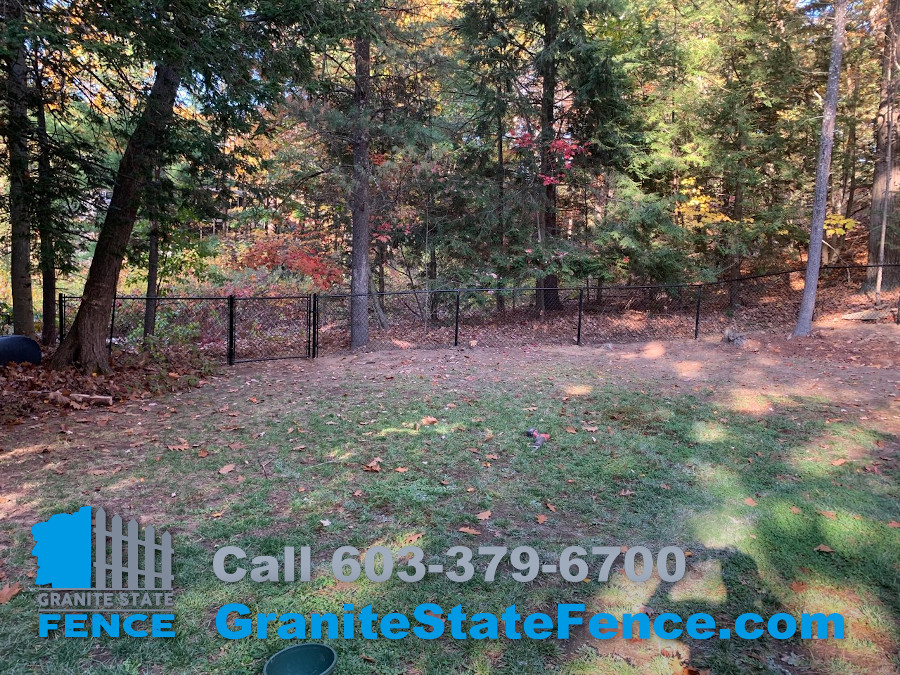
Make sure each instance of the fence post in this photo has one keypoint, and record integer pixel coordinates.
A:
(112, 323)
(62, 317)
(315, 326)
(697, 315)
(456, 322)
(309, 326)
(231, 330)
(897, 318)
(580, 313)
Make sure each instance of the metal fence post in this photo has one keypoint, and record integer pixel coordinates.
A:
(309, 326)
(580, 313)
(456, 321)
(112, 323)
(230, 330)
(697, 316)
(315, 326)
(62, 317)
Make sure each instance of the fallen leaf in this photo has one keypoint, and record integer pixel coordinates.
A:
(893, 523)
(798, 587)
(551, 507)
(626, 493)
(182, 445)
(374, 465)
(401, 469)
(433, 615)
(590, 430)
(750, 501)
(831, 515)
(236, 446)
(838, 462)
(491, 456)
(301, 489)
(325, 523)
(541, 519)
(470, 489)
(8, 592)
(484, 515)
(357, 493)
(823, 548)
(218, 514)
(203, 453)
(794, 509)
(571, 430)
(413, 538)
(469, 530)
(228, 468)
(429, 420)
(665, 486)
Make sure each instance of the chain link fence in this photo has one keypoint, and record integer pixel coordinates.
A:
(238, 329)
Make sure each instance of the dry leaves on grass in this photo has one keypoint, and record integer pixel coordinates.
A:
(893, 523)
(484, 515)
(838, 462)
(831, 515)
(469, 530)
(750, 501)
(374, 466)
(428, 420)
(228, 468)
(541, 519)
(401, 469)
(8, 592)
(796, 510)
(181, 445)
(823, 548)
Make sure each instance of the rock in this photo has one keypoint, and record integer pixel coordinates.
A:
(19, 349)
(731, 336)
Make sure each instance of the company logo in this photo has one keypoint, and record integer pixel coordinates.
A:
(131, 573)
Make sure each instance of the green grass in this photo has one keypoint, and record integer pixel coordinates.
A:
(690, 461)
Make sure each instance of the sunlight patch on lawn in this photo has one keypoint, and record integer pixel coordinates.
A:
(709, 432)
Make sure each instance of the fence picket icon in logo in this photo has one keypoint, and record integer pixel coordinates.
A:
(110, 568)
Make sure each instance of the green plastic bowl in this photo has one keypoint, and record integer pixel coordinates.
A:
(309, 659)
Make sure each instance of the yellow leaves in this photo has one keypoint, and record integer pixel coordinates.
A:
(837, 225)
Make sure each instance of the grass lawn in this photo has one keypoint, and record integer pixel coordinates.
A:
(749, 482)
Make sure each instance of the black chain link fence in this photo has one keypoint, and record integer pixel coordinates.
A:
(240, 329)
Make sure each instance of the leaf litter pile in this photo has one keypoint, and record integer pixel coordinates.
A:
(28, 390)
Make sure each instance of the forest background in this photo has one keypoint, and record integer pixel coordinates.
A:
(267, 148)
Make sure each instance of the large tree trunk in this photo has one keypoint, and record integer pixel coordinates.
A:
(884, 214)
(823, 170)
(17, 129)
(44, 223)
(85, 341)
(359, 199)
(547, 291)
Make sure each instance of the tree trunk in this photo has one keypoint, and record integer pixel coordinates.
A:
(44, 222)
(823, 169)
(85, 341)
(547, 291)
(501, 196)
(17, 128)
(152, 281)
(887, 174)
(359, 199)
(886, 181)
